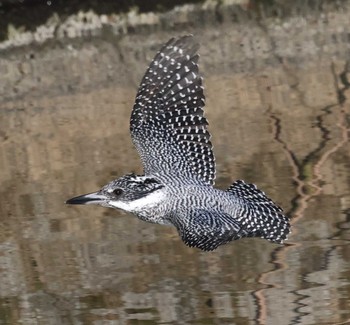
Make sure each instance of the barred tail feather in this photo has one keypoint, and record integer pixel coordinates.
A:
(258, 214)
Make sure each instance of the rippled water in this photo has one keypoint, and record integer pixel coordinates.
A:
(284, 129)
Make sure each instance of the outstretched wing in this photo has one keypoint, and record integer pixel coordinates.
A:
(208, 229)
(167, 124)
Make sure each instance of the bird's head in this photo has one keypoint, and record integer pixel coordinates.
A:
(130, 193)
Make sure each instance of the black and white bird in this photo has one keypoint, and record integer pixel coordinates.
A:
(169, 131)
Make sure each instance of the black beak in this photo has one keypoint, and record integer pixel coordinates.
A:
(91, 198)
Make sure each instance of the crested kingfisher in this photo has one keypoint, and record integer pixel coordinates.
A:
(169, 131)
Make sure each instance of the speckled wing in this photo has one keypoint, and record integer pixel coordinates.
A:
(167, 123)
(207, 230)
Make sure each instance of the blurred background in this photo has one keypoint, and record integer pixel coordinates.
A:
(276, 77)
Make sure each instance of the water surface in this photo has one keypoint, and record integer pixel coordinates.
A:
(285, 129)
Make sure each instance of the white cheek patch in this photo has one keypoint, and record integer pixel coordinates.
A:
(119, 205)
(148, 201)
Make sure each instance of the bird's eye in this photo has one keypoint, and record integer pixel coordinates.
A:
(117, 191)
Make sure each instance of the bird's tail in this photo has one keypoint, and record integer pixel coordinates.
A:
(258, 214)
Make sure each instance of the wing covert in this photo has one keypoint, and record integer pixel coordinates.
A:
(167, 123)
(206, 229)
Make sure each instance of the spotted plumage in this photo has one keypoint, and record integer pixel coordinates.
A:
(168, 116)
(169, 131)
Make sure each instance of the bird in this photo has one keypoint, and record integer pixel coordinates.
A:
(170, 132)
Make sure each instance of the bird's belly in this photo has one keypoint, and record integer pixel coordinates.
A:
(157, 218)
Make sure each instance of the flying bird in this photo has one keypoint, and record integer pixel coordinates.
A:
(170, 133)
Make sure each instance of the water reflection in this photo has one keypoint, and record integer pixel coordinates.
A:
(286, 130)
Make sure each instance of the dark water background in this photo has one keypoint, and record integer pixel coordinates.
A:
(280, 123)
